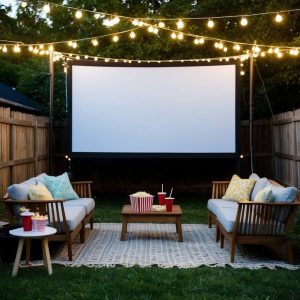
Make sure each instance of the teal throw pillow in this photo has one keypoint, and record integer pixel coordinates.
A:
(60, 187)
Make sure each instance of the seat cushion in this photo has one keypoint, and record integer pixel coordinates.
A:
(226, 216)
(87, 203)
(215, 204)
(74, 216)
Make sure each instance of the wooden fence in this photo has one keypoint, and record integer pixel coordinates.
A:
(287, 147)
(23, 147)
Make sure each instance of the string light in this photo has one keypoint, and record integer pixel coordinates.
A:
(95, 42)
(196, 41)
(161, 24)
(150, 28)
(4, 49)
(115, 38)
(244, 21)
(23, 4)
(132, 35)
(97, 16)
(30, 48)
(17, 49)
(180, 35)
(46, 8)
(155, 30)
(135, 22)
(210, 23)
(180, 24)
(74, 45)
(278, 18)
(201, 40)
(78, 14)
(173, 35)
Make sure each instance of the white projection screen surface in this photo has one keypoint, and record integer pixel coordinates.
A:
(153, 110)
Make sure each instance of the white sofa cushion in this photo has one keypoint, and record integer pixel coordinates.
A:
(215, 204)
(87, 203)
(74, 216)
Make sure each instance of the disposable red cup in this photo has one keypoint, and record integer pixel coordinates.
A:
(161, 198)
(26, 220)
(169, 204)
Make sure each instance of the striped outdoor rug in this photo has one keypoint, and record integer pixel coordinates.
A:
(157, 245)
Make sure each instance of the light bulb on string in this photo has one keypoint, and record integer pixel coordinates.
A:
(51, 48)
(173, 35)
(278, 18)
(244, 21)
(77, 57)
(115, 38)
(30, 48)
(97, 16)
(263, 54)
(135, 22)
(70, 43)
(74, 45)
(24, 4)
(132, 35)
(17, 49)
(141, 23)
(4, 49)
(78, 14)
(216, 45)
(221, 46)
(150, 28)
(95, 42)
(225, 49)
(242, 73)
(201, 41)
(180, 35)
(270, 51)
(155, 30)
(46, 8)
(279, 54)
(196, 41)
(86, 57)
(180, 24)
(210, 23)
(161, 24)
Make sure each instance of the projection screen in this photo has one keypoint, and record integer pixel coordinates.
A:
(147, 109)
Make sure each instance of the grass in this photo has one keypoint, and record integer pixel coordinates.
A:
(153, 282)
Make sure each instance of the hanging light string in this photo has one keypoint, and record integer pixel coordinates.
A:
(49, 4)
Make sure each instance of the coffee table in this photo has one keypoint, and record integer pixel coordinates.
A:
(131, 216)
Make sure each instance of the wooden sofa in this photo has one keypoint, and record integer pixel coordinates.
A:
(255, 223)
(58, 214)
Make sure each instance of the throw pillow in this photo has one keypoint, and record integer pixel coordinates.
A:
(260, 184)
(39, 192)
(18, 191)
(239, 189)
(264, 195)
(254, 176)
(282, 194)
(60, 187)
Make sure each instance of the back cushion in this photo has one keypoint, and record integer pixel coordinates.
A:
(18, 191)
(260, 184)
(283, 194)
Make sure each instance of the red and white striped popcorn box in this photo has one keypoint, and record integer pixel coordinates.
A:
(141, 204)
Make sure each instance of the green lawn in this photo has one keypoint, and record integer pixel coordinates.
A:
(153, 282)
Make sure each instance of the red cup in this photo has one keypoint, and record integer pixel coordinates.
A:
(169, 204)
(26, 220)
(161, 198)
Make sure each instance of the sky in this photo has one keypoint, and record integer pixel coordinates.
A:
(10, 2)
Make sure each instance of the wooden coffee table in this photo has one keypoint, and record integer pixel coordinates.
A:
(131, 216)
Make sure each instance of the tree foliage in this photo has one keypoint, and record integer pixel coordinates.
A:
(276, 79)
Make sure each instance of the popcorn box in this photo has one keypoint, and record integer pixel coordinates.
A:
(39, 224)
(141, 204)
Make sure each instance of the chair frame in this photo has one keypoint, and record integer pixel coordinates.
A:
(256, 223)
(58, 216)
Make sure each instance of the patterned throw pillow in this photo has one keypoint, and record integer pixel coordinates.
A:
(239, 189)
(60, 187)
(264, 195)
(39, 192)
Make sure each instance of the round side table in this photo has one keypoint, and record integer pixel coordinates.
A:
(27, 236)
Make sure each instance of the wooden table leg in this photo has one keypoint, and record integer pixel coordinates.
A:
(179, 229)
(124, 229)
(28, 247)
(46, 255)
(18, 257)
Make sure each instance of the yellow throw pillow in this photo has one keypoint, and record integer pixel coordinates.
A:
(264, 195)
(39, 192)
(239, 189)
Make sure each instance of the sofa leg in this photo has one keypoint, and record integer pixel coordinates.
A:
(92, 222)
(209, 221)
(69, 244)
(82, 233)
(232, 251)
(222, 241)
(218, 234)
(290, 254)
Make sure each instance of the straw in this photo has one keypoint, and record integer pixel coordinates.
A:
(171, 192)
(162, 188)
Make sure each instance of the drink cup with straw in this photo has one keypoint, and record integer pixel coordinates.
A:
(161, 196)
(169, 202)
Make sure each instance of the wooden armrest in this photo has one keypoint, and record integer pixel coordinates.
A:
(219, 188)
(83, 188)
(12, 201)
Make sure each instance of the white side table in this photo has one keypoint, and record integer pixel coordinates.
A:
(28, 235)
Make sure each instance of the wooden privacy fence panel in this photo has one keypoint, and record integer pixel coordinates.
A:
(23, 147)
(287, 147)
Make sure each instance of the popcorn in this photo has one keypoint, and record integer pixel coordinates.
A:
(141, 194)
(37, 216)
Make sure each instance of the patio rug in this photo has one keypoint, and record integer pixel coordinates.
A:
(157, 245)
